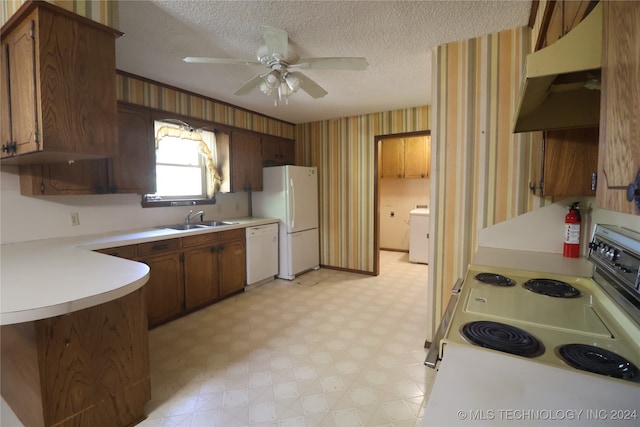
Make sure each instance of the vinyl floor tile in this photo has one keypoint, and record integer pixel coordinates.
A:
(329, 348)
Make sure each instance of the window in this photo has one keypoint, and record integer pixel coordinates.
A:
(186, 164)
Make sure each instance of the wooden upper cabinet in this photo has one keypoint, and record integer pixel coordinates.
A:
(69, 178)
(570, 158)
(560, 17)
(392, 158)
(417, 157)
(59, 87)
(619, 153)
(405, 157)
(278, 151)
(246, 162)
(134, 169)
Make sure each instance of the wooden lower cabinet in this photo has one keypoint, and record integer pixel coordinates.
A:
(189, 273)
(86, 368)
(166, 287)
(200, 277)
(216, 269)
(232, 261)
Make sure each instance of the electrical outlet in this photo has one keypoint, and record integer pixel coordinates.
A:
(237, 207)
(74, 219)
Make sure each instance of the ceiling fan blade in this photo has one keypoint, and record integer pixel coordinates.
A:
(309, 86)
(250, 85)
(345, 63)
(205, 60)
(277, 40)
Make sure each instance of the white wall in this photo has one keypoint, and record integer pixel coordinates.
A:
(32, 218)
(542, 230)
(399, 196)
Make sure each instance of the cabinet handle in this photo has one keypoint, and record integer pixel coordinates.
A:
(159, 247)
(213, 249)
(113, 189)
(10, 147)
(633, 191)
(221, 248)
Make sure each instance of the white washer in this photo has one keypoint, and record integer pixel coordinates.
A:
(419, 235)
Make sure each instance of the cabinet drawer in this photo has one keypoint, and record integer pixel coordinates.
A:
(238, 233)
(158, 247)
(200, 239)
(128, 252)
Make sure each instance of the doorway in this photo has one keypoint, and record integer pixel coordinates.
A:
(401, 183)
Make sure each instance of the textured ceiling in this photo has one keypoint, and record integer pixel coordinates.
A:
(396, 38)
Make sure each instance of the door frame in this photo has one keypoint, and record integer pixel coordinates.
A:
(377, 140)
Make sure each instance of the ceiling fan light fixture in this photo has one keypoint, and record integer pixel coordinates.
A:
(292, 82)
(264, 88)
(272, 79)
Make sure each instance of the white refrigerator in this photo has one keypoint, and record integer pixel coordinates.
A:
(290, 193)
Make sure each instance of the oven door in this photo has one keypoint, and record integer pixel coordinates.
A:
(434, 350)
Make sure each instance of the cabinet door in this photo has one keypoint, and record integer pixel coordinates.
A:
(23, 108)
(619, 154)
(246, 162)
(416, 155)
(392, 158)
(200, 276)
(570, 159)
(277, 151)
(232, 266)
(81, 177)
(5, 108)
(165, 288)
(560, 18)
(134, 170)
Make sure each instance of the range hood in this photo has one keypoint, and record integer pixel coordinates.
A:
(561, 83)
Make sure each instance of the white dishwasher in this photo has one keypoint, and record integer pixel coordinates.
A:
(262, 253)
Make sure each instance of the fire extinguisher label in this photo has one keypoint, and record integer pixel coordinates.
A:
(572, 234)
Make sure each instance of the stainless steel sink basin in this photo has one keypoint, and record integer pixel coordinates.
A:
(198, 225)
(216, 223)
(184, 226)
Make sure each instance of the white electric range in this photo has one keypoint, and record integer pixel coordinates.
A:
(529, 341)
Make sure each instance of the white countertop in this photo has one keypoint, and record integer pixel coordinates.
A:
(46, 278)
(478, 387)
(552, 263)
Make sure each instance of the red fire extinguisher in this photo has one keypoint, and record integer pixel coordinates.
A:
(572, 232)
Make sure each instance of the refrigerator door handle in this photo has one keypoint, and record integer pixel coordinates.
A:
(293, 204)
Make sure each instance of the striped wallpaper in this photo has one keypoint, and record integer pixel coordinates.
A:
(103, 11)
(344, 152)
(480, 169)
(136, 90)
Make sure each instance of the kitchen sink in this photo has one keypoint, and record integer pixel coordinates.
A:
(184, 226)
(216, 223)
(198, 225)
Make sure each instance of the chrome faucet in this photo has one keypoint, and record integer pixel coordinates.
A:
(187, 219)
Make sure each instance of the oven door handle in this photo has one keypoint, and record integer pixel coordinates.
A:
(432, 355)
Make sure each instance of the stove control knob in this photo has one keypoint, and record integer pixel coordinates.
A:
(610, 254)
(616, 256)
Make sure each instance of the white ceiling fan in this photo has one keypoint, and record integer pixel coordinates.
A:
(278, 56)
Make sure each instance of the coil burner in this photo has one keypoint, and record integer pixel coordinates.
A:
(494, 279)
(598, 361)
(502, 337)
(552, 288)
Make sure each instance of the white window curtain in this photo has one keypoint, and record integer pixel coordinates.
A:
(206, 149)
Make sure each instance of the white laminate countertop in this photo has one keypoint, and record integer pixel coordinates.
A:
(479, 387)
(551, 263)
(45, 278)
